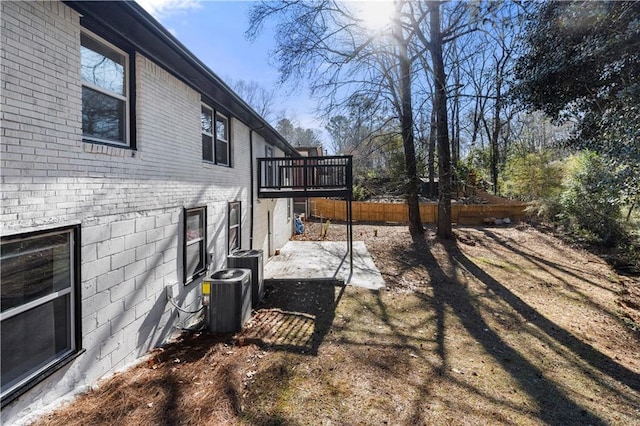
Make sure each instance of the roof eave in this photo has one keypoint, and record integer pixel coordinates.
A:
(130, 21)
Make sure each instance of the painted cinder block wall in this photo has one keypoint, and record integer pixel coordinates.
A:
(129, 203)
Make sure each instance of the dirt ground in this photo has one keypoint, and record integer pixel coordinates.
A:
(507, 325)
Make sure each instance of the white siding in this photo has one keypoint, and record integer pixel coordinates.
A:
(276, 209)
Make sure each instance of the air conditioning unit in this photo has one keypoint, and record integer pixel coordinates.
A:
(250, 259)
(229, 299)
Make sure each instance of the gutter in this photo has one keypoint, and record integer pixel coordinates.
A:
(130, 21)
(251, 183)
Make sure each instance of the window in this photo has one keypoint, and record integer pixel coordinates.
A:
(207, 133)
(195, 243)
(234, 226)
(105, 91)
(220, 150)
(222, 140)
(39, 306)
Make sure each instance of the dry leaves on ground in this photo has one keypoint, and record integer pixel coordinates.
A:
(505, 326)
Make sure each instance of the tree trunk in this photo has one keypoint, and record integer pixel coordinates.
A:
(456, 143)
(440, 100)
(433, 131)
(455, 117)
(495, 134)
(413, 186)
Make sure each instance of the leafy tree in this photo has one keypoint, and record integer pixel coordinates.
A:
(582, 64)
(591, 201)
(296, 135)
(480, 160)
(533, 176)
(286, 128)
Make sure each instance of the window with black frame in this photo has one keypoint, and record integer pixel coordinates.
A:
(195, 243)
(39, 319)
(105, 91)
(216, 145)
(223, 152)
(234, 226)
(206, 120)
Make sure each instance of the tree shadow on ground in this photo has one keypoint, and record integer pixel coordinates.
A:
(295, 315)
(586, 352)
(570, 270)
(554, 405)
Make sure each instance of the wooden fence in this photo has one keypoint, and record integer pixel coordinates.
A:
(462, 214)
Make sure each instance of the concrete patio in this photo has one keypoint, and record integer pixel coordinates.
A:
(322, 260)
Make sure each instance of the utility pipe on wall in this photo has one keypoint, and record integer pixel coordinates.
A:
(251, 183)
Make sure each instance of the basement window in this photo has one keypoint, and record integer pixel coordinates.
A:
(234, 226)
(40, 310)
(195, 243)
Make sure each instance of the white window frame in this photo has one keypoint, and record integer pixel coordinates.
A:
(28, 379)
(202, 241)
(126, 98)
(237, 225)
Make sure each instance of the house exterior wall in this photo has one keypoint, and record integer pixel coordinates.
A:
(129, 203)
(271, 236)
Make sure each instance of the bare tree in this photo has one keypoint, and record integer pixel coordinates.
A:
(486, 59)
(327, 44)
(461, 19)
(257, 96)
(502, 56)
(406, 121)
(442, 128)
(371, 150)
(433, 132)
(346, 64)
(340, 133)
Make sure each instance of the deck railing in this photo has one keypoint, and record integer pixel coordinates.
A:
(305, 177)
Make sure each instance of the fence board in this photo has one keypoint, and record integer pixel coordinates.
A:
(463, 214)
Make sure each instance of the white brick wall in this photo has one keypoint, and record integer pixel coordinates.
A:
(129, 203)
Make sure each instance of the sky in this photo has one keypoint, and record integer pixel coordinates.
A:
(214, 30)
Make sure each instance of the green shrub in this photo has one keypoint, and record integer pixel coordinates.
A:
(533, 176)
(591, 201)
(547, 209)
(360, 193)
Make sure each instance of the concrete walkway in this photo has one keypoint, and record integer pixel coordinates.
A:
(324, 260)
